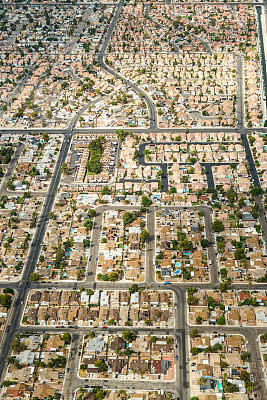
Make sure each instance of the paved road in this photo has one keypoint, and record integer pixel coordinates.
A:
(74, 119)
(251, 334)
(150, 104)
(78, 31)
(253, 171)
(33, 256)
(10, 168)
(72, 382)
(181, 329)
(101, 131)
(150, 246)
(94, 248)
(63, 4)
(14, 35)
(164, 165)
(240, 91)
(18, 89)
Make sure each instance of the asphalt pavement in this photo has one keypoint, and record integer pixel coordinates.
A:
(181, 328)
(33, 255)
(101, 55)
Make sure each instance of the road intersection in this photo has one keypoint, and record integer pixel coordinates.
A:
(181, 328)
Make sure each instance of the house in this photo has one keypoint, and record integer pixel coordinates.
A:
(54, 343)
(48, 374)
(118, 342)
(139, 365)
(95, 345)
(43, 391)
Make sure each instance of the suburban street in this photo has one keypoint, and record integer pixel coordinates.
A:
(181, 329)
(101, 59)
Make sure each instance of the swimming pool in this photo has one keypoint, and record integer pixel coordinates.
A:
(219, 384)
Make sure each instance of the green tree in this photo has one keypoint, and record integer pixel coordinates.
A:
(129, 336)
(86, 243)
(52, 215)
(105, 190)
(45, 137)
(121, 134)
(223, 273)
(66, 337)
(217, 347)
(58, 362)
(112, 276)
(205, 243)
(194, 333)
(5, 300)
(7, 383)
(194, 351)
(144, 236)
(88, 224)
(17, 345)
(9, 290)
(239, 253)
(80, 274)
(92, 213)
(48, 114)
(146, 202)
(256, 191)
(221, 321)
(99, 394)
(223, 286)
(134, 288)
(64, 168)
(10, 185)
(245, 356)
(128, 217)
(244, 376)
(185, 245)
(35, 277)
(223, 364)
(101, 365)
(217, 226)
(231, 194)
(230, 387)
